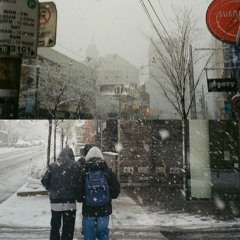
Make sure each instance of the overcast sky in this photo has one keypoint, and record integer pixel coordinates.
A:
(115, 26)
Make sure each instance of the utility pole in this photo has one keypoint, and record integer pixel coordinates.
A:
(203, 105)
(191, 86)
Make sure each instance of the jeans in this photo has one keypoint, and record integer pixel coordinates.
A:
(68, 222)
(95, 228)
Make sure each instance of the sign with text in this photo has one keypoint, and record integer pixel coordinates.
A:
(47, 24)
(19, 22)
(222, 19)
(222, 85)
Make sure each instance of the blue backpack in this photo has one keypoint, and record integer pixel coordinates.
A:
(97, 189)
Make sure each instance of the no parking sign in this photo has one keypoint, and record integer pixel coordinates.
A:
(47, 25)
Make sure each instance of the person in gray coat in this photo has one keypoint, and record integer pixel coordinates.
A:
(62, 181)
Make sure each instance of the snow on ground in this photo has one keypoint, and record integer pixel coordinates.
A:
(34, 212)
(6, 149)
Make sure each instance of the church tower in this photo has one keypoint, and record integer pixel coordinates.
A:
(92, 51)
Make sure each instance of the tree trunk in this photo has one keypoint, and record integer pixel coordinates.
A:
(49, 141)
(185, 157)
(55, 137)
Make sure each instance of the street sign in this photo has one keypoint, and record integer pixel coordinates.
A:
(47, 24)
(19, 22)
(222, 84)
(4, 50)
(222, 19)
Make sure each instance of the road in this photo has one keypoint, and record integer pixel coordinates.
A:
(15, 167)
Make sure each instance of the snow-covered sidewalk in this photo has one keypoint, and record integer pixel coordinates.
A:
(33, 212)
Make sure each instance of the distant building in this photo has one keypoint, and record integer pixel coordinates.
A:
(118, 84)
(92, 52)
(161, 107)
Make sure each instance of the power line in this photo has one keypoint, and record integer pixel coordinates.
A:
(69, 50)
(164, 13)
(158, 18)
(151, 20)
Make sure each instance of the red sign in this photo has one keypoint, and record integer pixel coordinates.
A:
(47, 24)
(223, 19)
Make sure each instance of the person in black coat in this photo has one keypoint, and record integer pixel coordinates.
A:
(96, 218)
(86, 149)
(62, 180)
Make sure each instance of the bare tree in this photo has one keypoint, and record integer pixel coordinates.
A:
(63, 87)
(172, 62)
(172, 67)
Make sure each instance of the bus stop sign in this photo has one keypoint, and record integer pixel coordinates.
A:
(19, 22)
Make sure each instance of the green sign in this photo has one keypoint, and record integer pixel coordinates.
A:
(32, 4)
(4, 50)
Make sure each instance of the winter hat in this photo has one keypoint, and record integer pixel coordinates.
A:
(94, 152)
(71, 154)
(66, 153)
(86, 148)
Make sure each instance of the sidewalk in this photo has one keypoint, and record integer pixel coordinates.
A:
(29, 217)
(23, 216)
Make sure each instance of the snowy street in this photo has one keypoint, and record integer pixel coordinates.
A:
(15, 167)
(29, 217)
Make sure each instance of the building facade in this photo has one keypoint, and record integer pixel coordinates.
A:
(54, 85)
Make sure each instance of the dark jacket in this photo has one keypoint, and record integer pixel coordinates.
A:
(62, 179)
(82, 161)
(96, 163)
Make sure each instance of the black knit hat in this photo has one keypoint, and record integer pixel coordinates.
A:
(86, 148)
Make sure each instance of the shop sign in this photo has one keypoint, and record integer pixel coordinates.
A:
(222, 19)
(222, 85)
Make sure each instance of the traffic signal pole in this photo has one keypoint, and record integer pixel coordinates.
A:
(10, 75)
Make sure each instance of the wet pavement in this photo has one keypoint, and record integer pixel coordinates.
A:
(225, 234)
(130, 219)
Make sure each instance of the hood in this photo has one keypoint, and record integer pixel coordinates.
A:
(66, 154)
(94, 152)
(94, 160)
